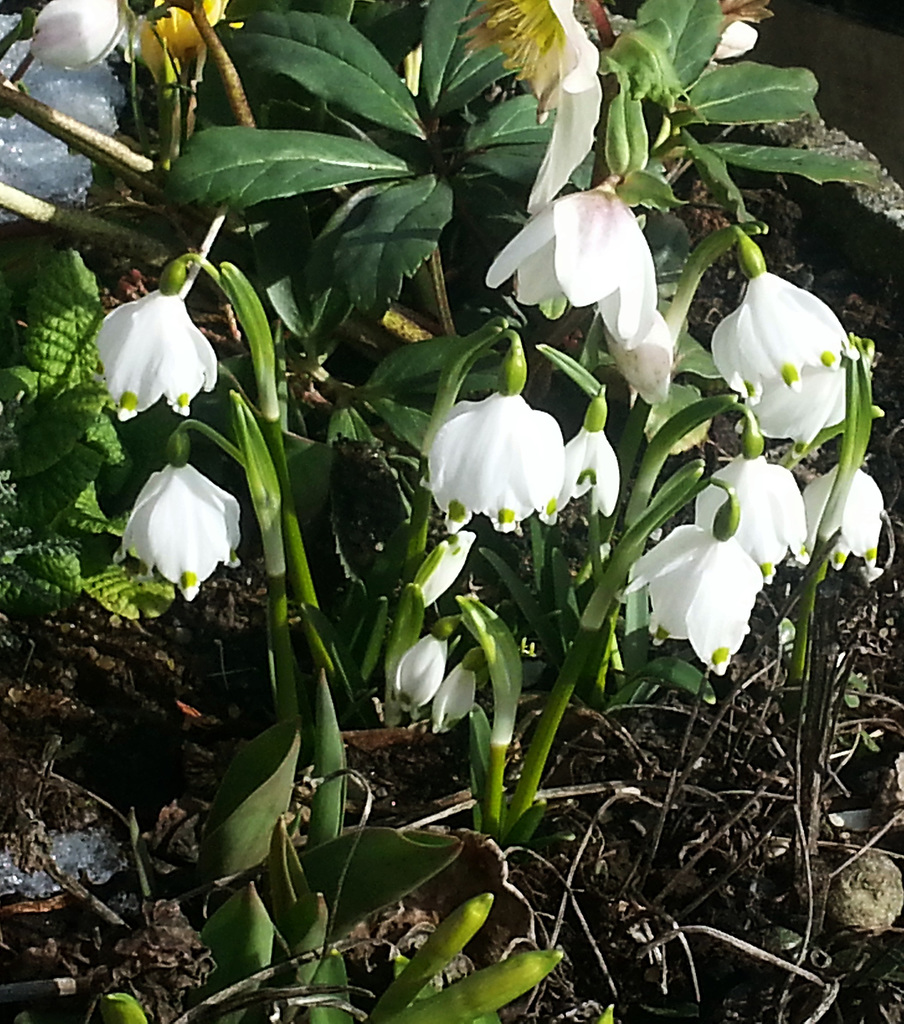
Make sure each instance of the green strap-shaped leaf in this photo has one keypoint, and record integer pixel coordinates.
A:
(243, 166)
(254, 793)
(240, 937)
(370, 868)
(331, 59)
(695, 27)
(394, 232)
(808, 163)
(747, 93)
(64, 313)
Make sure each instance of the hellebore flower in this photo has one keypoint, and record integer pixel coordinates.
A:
(737, 39)
(590, 462)
(701, 589)
(454, 699)
(588, 247)
(801, 413)
(441, 568)
(176, 33)
(646, 364)
(419, 672)
(772, 511)
(776, 331)
(861, 518)
(498, 457)
(75, 34)
(550, 50)
(150, 348)
(183, 526)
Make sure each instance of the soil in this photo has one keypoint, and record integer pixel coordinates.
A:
(673, 887)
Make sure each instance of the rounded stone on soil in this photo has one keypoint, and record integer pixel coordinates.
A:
(868, 894)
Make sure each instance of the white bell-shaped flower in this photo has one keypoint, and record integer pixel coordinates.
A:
(772, 510)
(418, 673)
(75, 34)
(588, 247)
(701, 589)
(645, 363)
(497, 457)
(441, 568)
(777, 330)
(150, 348)
(454, 699)
(861, 518)
(183, 526)
(591, 462)
(737, 39)
(802, 413)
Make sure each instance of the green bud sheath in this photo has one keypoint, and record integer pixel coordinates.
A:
(750, 257)
(514, 368)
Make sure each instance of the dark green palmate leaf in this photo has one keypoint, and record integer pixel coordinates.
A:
(747, 93)
(393, 233)
(254, 793)
(453, 73)
(369, 868)
(808, 163)
(331, 59)
(511, 123)
(244, 166)
(510, 142)
(695, 27)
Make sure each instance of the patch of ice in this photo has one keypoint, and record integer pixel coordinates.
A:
(93, 852)
(32, 160)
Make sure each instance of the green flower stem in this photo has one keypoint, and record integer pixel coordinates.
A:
(797, 669)
(134, 168)
(491, 809)
(417, 530)
(661, 446)
(553, 712)
(212, 435)
(83, 226)
(597, 616)
(282, 669)
(699, 261)
(299, 567)
(596, 543)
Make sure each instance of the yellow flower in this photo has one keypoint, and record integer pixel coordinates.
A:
(177, 33)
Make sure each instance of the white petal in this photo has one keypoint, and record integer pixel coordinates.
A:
(572, 138)
(536, 235)
(75, 34)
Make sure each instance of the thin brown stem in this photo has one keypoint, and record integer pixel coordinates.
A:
(232, 83)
